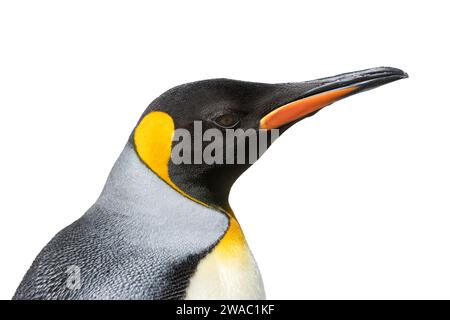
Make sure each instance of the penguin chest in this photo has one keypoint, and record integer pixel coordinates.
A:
(224, 276)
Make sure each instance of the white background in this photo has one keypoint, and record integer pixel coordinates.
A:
(351, 203)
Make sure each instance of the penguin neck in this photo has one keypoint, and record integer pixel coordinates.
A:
(133, 189)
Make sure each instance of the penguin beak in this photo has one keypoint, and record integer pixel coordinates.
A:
(329, 90)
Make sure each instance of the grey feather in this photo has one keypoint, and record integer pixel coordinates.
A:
(140, 240)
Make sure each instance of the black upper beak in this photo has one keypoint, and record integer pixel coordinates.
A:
(364, 80)
(325, 91)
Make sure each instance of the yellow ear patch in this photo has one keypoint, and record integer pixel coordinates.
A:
(153, 142)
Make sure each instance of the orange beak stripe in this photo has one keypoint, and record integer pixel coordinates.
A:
(301, 108)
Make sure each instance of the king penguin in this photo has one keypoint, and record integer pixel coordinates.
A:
(161, 230)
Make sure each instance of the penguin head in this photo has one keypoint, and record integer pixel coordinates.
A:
(200, 137)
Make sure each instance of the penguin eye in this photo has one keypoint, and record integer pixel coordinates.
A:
(227, 121)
